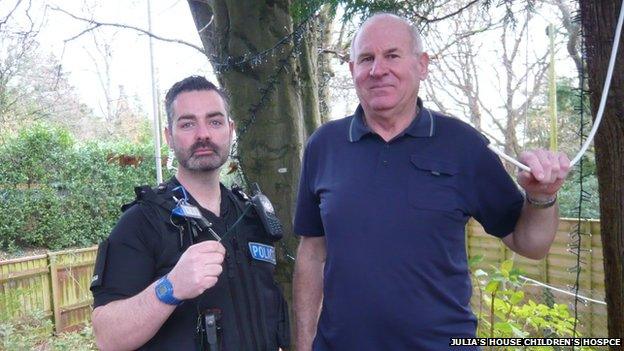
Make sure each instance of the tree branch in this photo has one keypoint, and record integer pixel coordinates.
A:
(437, 19)
(6, 19)
(95, 24)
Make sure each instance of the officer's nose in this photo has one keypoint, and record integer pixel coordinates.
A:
(203, 130)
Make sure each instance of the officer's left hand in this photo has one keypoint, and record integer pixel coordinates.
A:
(548, 172)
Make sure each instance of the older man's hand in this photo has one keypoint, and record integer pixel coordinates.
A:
(548, 172)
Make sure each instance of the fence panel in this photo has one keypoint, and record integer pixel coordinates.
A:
(56, 283)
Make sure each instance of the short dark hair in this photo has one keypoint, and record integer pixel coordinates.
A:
(192, 83)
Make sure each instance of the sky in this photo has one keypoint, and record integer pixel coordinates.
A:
(130, 59)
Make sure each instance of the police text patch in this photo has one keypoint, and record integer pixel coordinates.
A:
(262, 252)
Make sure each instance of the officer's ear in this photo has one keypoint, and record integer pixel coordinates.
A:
(169, 137)
(232, 125)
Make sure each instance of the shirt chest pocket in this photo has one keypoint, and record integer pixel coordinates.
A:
(433, 184)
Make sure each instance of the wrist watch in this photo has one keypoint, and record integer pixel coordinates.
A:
(164, 292)
(541, 204)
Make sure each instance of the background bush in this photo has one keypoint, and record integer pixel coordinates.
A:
(56, 193)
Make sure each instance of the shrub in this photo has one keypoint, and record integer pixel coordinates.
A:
(55, 193)
(504, 312)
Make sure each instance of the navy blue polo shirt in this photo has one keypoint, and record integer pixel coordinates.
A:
(393, 216)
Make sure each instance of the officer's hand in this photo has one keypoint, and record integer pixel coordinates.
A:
(548, 171)
(197, 270)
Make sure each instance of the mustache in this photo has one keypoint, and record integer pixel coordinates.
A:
(205, 144)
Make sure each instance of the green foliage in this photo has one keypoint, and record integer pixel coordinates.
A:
(25, 332)
(82, 340)
(33, 331)
(504, 312)
(56, 194)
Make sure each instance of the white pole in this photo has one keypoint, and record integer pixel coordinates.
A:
(155, 111)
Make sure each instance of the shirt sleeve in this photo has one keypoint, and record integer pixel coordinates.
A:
(498, 200)
(308, 220)
(125, 264)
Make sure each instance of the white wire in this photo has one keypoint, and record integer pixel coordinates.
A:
(603, 101)
(584, 298)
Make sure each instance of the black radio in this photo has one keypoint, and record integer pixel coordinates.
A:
(265, 211)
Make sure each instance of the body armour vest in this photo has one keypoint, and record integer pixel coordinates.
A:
(245, 310)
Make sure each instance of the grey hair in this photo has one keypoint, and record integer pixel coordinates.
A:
(417, 44)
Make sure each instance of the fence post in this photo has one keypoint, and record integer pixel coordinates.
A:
(56, 298)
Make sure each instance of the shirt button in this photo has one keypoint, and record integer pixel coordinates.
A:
(385, 162)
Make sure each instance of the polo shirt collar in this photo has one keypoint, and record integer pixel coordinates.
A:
(423, 125)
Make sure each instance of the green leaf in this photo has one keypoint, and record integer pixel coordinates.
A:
(506, 266)
(516, 297)
(504, 327)
(474, 260)
(491, 286)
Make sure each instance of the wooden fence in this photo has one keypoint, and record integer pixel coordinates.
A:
(557, 269)
(58, 282)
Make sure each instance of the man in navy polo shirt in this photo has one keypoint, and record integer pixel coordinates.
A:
(384, 197)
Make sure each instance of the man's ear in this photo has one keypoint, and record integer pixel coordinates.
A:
(423, 62)
(351, 67)
(169, 137)
(232, 128)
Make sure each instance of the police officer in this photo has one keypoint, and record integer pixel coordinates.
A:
(189, 266)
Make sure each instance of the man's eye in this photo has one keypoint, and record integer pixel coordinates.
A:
(366, 59)
(392, 56)
(186, 125)
(216, 123)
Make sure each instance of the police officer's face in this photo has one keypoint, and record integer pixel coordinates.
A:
(385, 68)
(201, 132)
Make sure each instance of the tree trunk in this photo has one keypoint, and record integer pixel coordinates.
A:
(599, 18)
(273, 97)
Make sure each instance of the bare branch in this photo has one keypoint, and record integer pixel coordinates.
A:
(6, 18)
(344, 58)
(95, 24)
(437, 19)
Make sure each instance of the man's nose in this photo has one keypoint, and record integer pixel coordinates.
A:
(379, 68)
(203, 131)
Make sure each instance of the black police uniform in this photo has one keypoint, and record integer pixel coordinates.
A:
(144, 245)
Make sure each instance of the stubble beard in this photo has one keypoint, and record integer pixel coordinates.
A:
(202, 163)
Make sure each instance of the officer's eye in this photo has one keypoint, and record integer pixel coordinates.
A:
(366, 59)
(215, 123)
(392, 56)
(186, 125)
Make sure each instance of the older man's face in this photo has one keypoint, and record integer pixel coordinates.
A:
(385, 68)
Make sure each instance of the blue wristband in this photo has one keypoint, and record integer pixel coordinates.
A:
(164, 292)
